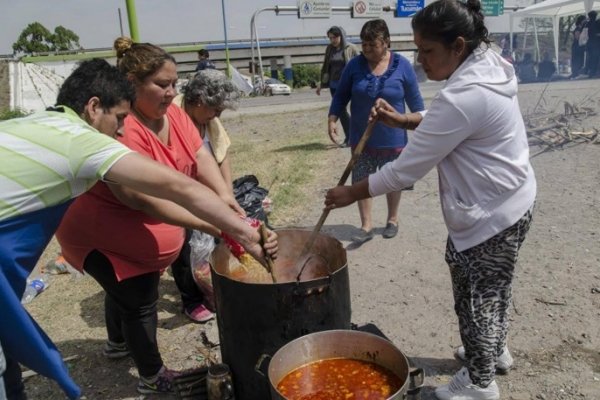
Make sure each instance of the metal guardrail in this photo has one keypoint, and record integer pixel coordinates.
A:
(303, 50)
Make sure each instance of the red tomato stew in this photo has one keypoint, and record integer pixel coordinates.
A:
(340, 379)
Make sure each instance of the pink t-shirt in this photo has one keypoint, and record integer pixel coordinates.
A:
(134, 242)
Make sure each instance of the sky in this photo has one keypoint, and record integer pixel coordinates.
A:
(96, 22)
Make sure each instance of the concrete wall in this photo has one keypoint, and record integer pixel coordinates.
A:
(4, 85)
(31, 87)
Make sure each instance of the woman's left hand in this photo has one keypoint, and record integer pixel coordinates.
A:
(256, 247)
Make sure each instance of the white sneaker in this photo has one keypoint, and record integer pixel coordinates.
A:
(503, 363)
(462, 388)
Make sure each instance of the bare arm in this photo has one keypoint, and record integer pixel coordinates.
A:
(149, 177)
(225, 168)
(210, 175)
(163, 210)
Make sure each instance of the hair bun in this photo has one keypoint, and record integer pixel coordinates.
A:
(122, 45)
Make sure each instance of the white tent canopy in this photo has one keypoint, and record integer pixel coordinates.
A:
(557, 8)
(554, 9)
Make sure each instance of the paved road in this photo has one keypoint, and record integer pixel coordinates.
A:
(306, 99)
(301, 99)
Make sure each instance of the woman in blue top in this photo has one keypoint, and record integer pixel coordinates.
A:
(376, 73)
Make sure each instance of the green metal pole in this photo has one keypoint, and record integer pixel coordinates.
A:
(226, 43)
(132, 18)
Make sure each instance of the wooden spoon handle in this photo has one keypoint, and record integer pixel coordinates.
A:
(357, 151)
(264, 236)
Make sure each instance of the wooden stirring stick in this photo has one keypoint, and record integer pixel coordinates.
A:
(313, 236)
(264, 236)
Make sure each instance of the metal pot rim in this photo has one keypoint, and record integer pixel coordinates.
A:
(382, 342)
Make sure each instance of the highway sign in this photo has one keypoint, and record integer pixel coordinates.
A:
(314, 9)
(492, 8)
(406, 8)
(367, 9)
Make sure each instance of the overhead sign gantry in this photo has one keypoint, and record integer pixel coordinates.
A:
(315, 9)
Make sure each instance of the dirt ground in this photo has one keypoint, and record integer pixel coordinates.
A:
(402, 285)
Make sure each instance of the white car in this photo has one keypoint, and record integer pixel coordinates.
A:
(274, 86)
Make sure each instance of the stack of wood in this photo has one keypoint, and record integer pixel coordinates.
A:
(553, 131)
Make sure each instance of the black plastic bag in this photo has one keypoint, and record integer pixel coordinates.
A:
(250, 197)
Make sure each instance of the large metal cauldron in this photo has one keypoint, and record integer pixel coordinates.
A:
(258, 318)
(344, 344)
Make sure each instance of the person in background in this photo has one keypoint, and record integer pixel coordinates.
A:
(593, 44)
(337, 54)
(204, 61)
(546, 69)
(507, 55)
(376, 73)
(577, 51)
(204, 98)
(136, 237)
(51, 157)
(474, 133)
(526, 69)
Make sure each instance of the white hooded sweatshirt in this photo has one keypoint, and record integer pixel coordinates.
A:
(474, 133)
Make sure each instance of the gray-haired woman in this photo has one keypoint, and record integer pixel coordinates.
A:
(204, 98)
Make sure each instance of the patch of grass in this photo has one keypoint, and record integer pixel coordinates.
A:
(289, 164)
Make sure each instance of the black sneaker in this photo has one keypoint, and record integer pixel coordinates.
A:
(160, 383)
(114, 350)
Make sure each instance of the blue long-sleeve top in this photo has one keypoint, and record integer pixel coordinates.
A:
(398, 86)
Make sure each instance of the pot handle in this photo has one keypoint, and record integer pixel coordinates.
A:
(417, 380)
(259, 364)
(310, 288)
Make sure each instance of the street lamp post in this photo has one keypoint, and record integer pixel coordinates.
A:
(226, 42)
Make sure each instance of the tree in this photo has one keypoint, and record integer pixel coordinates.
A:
(65, 39)
(36, 38)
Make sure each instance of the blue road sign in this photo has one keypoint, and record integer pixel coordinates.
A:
(407, 8)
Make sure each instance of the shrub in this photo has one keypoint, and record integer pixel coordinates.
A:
(10, 114)
(306, 75)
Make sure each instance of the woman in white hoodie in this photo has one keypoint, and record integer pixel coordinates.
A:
(473, 132)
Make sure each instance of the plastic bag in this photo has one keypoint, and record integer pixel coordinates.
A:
(252, 198)
(201, 246)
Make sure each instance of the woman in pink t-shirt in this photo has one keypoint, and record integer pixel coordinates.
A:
(125, 239)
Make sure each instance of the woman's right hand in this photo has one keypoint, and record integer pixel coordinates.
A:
(384, 112)
(332, 130)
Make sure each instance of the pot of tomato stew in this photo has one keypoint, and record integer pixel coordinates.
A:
(341, 364)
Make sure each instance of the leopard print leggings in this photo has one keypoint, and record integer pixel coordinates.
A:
(482, 288)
